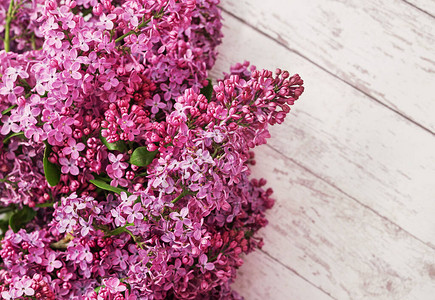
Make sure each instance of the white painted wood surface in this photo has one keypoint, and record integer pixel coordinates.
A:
(353, 166)
(383, 48)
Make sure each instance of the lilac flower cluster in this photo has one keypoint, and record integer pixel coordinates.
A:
(124, 174)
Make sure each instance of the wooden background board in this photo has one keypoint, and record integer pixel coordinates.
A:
(353, 166)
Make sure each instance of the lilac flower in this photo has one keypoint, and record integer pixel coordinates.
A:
(106, 21)
(204, 265)
(125, 122)
(115, 285)
(118, 218)
(51, 262)
(120, 258)
(133, 213)
(94, 76)
(13, 73)
(56, 40)
(72, 70)
(9, 125)
(155, 104)
(73, 148)
(181, 216)
(8, 88)
(109, 81)
(23, 287)
(35, 255)
(86, 226)
(7, 294)
(82, 42)
(69, 166)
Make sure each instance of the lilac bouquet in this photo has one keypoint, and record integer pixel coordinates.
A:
(124, 173)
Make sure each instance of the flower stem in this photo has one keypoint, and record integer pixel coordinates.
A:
(184, 193)
(9, 17)
(141, 25)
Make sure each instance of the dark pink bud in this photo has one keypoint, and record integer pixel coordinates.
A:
(233, 126)
(88, 118)
(54, 63)
(64, 189)
(95, 124)
(98, 9)
(185, 260)
(52, 158)
(92, 142)
(74, 185)
(129, 175)
(77, 134)
(152, 147)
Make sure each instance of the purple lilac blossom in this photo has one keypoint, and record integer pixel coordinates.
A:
(86, 85)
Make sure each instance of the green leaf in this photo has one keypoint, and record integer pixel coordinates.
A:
(51, 171)
(119, 230)
(105, 186)
(8, 109)
(141, 157)
(11, 135)
(118, 146)
(207, 91)
(21, 218)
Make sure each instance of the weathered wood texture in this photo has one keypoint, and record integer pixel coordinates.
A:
(383, 48)
(354, 180)
(338, 133)
(267, 274)
(338, 245)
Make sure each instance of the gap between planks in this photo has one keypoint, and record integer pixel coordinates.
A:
(296, 273)
(336, 259)
(270, 272)
(338, 246)
(389, 208)
(417, 7)
(308, 170)
(329, 72)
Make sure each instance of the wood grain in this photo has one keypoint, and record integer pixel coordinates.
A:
(370, 153)
(273, 281)
(383, 48)
(353, 172)
(338, 245)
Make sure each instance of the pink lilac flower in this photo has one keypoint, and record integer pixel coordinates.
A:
(73, 148)
(155, 104)
(51, 262)
(204, 265)
(23, 287)
(8, 88)
(114, 285)
(69, 166)
(192, 212)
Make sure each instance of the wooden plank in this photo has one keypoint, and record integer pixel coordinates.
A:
(384, 48)
(335, 243)
(427, 6)
(364, 149)
(261, 278)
